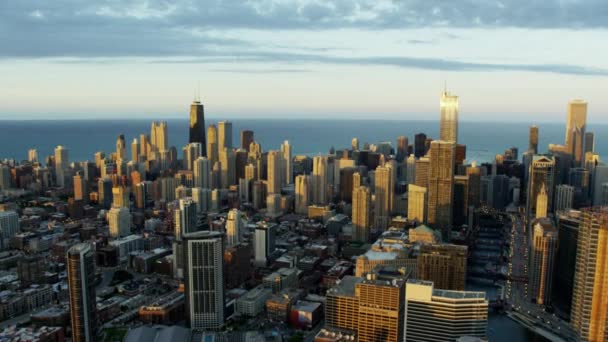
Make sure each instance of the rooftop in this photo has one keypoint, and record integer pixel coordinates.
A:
(345, 286)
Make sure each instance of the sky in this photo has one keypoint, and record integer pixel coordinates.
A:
(510, 60)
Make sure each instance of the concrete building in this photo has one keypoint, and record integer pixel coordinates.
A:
(589, 316)
(253, 303)
(416, 203)
(119, 221)
(9, 226)
(448, 124)
(361, 213)
(444, 265)
(80, 265)
(576, 125)
(303, 194)
(543, 254)
(441, 315)
(441, 187)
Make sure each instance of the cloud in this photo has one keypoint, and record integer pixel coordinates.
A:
(183, 29)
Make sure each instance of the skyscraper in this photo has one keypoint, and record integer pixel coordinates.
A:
(120, 197)
(420, 145)
(589, 316)
(319, 179)
(542, 172)
(445, 265)
(9, 226)
(227, 161)
(421, 172)
(589, 142)
(186, 217)
(576, 124)
(568, 223)
(204, 279)
(135, 151)
(286, 150)
(224, 135)
(362, 198)
(416, 203)
(402, 148)
(303, 190)
(384, 191)
(80, 265)
(275, 160)
(543, 255)
(104, 190)
(202, 173)
(247, 138)
(533, 144)
(448, 125)
(121, 148)
(564, 197)
(197, 125)
(159, 138)
(61, 164)
(212, 144)
(264, 242)
(542, 201)
(441, 315)
(234, 225)
(441, 186)
(119, 220)
(80, 188)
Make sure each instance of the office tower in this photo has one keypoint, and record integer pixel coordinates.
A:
(32, 155)
(9, 226)
(578, 177)
(576, 124)
(247, 138)
(533, 144)
(240, 162)
(542, 172)
(384, 194)
(416, 203)
(5, 177)
(543, 254)
(448, 125)
(197, 124)
(600, 178)
(461, 200)
(119, 220)
(589, 142)
(212, 144)
(204, 279)
(541, 203)
(216, 176)
(411, 169)
(121, 148)
(120, 197)
(303, 190)
(144, 146)
(287, 161)
(228, 171)
(264, 242)
(135, 151)
(345, 184)
(224, 135)
(234, 225)
(250, 172)
(361, 216)
(342, 305)
(142, 192)
(402, 148)
(421, 176)
(80, 188)
(186, 219)
(202, 173)
(61, 164)
(419, 145)
(441, 186)
(354, 144)
(568, 223)
(192, 151)
(445, 265)
(564, 197)
(357, 181)
(80, 265)
(589, 315)
(273, 205)
(202, 198)
(159, 136)
(441, 315)
(381, 309)
(275, 160)
(474, 174)
(104, 190)
(319, 180)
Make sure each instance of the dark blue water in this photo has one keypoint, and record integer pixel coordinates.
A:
(85, 137)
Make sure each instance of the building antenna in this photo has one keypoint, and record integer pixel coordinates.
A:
(445, 86)
(199, 91)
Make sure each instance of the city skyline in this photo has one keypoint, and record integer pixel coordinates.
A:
(273, 58)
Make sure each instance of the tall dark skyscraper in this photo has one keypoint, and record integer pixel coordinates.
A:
(533, 144)
(246, 139)
(420, 145)
(197, 125)
(81, 285)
